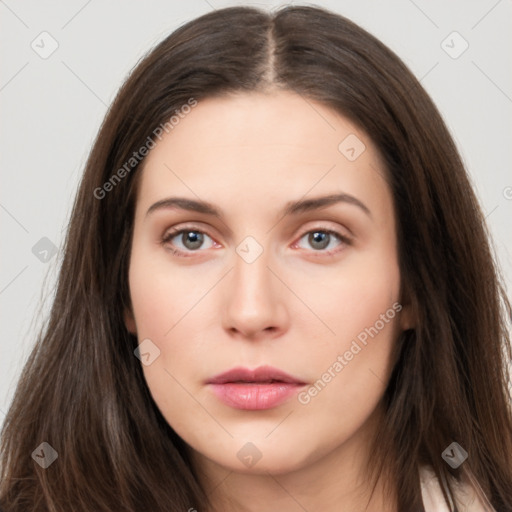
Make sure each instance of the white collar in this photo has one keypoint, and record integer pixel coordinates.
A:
(432, 495)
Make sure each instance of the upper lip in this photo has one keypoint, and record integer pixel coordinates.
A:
(260, 374)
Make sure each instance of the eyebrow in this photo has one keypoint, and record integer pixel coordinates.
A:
(291, 208)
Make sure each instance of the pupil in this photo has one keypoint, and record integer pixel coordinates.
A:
(192, 239)
(319, 240)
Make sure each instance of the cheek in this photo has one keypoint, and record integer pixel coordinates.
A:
(351, 362)
(161, 295)
(163, 305)
(348, 298)
(170, 307)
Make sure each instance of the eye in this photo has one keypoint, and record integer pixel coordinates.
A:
(323, 240)
(187, 240)
(183, 242)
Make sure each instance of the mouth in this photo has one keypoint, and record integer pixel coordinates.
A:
(263, 388)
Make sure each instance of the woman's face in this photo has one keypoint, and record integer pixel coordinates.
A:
(287, 260)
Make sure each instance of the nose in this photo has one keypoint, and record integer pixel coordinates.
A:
(254, 306)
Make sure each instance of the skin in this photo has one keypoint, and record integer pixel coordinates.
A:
(295, 307)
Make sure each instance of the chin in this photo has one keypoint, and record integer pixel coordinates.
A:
(261, 458)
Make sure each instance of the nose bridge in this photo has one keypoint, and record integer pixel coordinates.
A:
(251, 276)
(253, 302)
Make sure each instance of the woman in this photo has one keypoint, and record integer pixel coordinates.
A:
(277, 293)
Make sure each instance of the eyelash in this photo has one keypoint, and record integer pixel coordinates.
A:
(344, 240)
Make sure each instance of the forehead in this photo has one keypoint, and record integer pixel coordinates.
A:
(250, 120)
(258, 149)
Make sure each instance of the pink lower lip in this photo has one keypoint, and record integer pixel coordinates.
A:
(255, 396)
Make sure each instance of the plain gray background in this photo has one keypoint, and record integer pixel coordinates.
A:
(52, 107)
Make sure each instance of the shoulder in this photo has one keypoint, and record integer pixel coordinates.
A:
(432, 495)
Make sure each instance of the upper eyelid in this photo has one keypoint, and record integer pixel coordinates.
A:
(180, 229)
(176, 231)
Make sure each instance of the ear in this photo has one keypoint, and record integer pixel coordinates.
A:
(129, 321)
(409, 312)
(407, 318)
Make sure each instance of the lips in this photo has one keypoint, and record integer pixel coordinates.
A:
(264, 387)
(260, 375)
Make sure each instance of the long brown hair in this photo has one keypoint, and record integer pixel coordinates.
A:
(82, 389)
